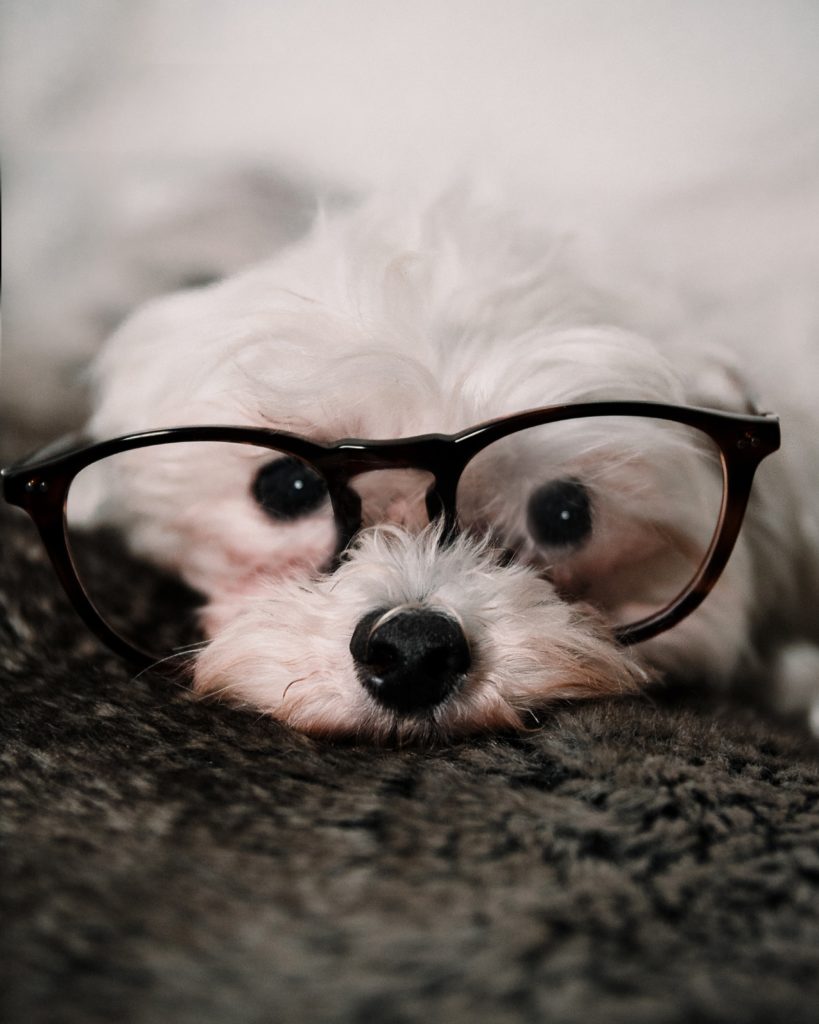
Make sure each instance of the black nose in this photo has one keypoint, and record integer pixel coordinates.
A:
(410, 659)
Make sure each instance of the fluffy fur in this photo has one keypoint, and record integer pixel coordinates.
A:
(391, 321)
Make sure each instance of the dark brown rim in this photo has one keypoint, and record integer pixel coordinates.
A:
(39, 484)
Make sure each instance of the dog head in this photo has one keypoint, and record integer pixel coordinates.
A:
(390, 324)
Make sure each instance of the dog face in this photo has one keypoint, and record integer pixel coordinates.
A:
(386, 325)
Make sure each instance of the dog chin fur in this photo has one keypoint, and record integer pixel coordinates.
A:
(395, 320)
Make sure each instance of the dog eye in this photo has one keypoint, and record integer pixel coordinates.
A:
(288, 489)
(560, 514)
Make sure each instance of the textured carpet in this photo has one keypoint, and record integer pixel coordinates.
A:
(163, 860)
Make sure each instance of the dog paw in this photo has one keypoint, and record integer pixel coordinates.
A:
(796, 684)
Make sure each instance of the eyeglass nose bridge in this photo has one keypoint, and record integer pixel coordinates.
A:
(441, 504)
(437, 456)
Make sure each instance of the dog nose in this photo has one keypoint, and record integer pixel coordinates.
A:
(410, 659)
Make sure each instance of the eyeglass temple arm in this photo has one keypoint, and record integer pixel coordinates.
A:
(62, 446)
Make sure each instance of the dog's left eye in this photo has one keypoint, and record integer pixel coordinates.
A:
(560, 514)
(288, 489)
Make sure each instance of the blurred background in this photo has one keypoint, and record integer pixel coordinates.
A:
(148, 144)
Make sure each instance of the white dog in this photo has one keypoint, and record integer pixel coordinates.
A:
(393, 321)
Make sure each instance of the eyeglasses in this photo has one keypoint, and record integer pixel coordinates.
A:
(632, 507)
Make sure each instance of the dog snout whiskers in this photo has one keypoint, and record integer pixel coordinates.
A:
(410, 658)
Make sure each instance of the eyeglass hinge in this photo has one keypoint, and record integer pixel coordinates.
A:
(35, 484)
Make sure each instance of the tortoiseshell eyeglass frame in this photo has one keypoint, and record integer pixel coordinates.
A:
(40, 485)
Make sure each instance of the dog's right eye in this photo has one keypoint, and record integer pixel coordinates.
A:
(288, 489)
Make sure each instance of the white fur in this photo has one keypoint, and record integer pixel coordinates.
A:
(395, 320)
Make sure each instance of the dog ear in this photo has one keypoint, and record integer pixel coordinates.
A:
(719, 383)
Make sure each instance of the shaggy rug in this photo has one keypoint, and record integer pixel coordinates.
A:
(651, 860)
